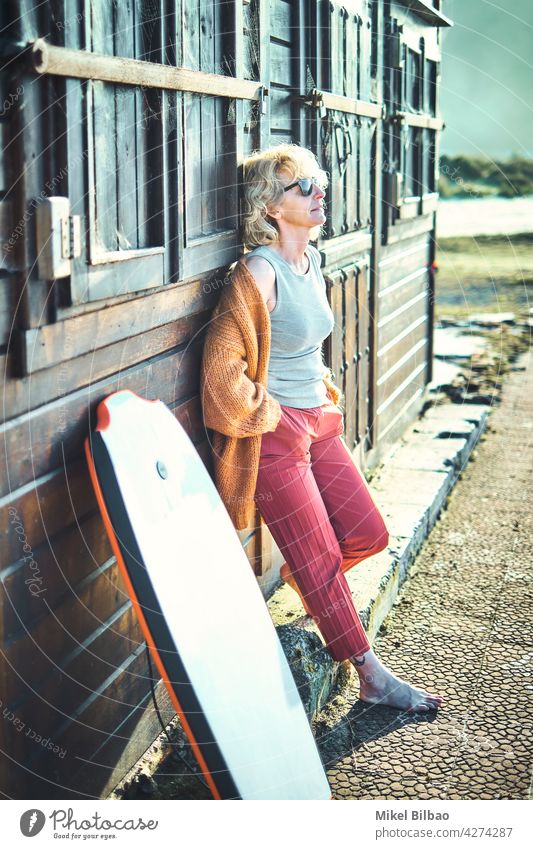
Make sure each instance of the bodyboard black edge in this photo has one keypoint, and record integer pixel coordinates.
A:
(153, 623)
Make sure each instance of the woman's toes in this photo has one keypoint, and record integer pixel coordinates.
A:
(423, 707)
(433, 696)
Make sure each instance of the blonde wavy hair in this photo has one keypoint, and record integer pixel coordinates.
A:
(262, 188)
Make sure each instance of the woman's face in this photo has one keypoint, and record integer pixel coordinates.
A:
(297, 209)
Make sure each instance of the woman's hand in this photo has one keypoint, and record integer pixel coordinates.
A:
(332, 390)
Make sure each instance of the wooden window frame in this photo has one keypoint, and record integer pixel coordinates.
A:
(418, 118)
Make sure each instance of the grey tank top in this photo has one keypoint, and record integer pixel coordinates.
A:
(300, 321)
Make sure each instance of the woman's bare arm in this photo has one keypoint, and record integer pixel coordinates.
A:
(264, 276)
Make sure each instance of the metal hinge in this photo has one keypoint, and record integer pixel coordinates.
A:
(314, 99)
(396, 188)
(263, 95)
(58, 237)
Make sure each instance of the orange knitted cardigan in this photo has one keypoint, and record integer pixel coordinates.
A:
(233, 391)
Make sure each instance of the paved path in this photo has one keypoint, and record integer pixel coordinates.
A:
(461, 627)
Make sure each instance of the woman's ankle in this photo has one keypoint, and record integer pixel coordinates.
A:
(366, 662)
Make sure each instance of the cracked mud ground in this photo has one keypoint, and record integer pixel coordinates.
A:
(461, 627)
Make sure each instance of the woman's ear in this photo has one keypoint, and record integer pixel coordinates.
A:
(273, 213)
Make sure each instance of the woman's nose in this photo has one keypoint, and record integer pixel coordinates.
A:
(319, 193)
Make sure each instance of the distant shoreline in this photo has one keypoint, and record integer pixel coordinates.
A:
(484, 216)
(500, 198)
(479, 177)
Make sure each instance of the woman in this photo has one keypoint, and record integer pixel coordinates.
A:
(283, 446)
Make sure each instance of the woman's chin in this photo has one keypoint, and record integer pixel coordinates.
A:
(315, 232)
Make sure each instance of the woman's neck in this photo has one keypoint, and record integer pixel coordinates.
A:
(293, 251)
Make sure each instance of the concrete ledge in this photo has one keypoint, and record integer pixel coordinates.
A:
(410, 490)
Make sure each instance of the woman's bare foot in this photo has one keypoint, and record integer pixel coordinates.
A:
(378, 685)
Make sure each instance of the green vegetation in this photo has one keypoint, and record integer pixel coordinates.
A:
(484, 274)
(476, 177)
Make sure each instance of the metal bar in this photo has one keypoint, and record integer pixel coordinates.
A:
(82, 64)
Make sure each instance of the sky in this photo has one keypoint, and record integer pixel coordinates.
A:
(486, 91)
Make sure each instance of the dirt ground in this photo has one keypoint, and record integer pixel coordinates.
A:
(484, 273)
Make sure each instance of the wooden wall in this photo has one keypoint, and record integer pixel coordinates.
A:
(153, 176)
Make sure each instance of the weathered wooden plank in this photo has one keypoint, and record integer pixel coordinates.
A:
(402, 291)
(251, 61)
(103, 128)
(82, 734)
(406, 342)
(45, 703)
(209, 36)
(335, 201)
(412, 370)
(193, 168)
(414, 120)
(126, 744)
(83, 64)
(9, 233)
(24, 394)
(401, 260)
(365, 55)
(209, 127)
(30, 586)
(43, 508)
(344, 249)
(364, 352)
(46, 535)
(64, 499)
(352, 56)
(413, 312)
(281, 64)
(34, 653)
(7, 308)
(350, 354)
(27, 159)
(335, 287)
(337, 102)
(351, 215)
(281, 111)
(191, 34)
(46, 346)
(142, 125)
(125, 104)
(335, 48)
(80, 148)
(206, 456)
(29, 444)
(104, 713)
(407, 264)
(366, 130)
(281, 21)
(404, 408)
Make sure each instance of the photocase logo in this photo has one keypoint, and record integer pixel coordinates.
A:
(32, 822)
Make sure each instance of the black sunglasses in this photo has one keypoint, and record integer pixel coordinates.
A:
(306, 186)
